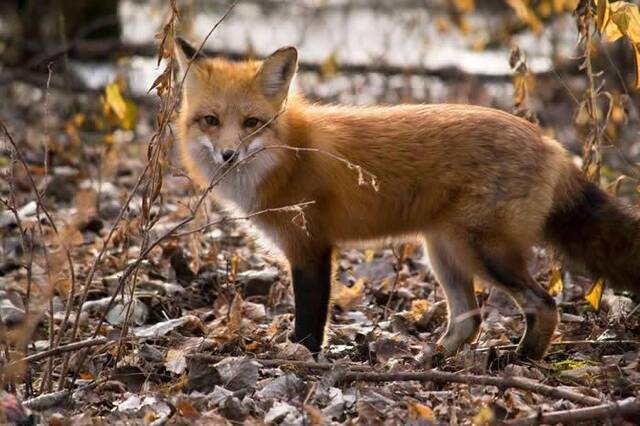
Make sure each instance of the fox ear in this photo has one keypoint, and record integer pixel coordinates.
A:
(277, 71)
(185, 53)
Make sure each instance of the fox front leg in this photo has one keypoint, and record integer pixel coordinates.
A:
(312, 288)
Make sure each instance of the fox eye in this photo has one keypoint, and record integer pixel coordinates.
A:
(211, 120)
(251, 122)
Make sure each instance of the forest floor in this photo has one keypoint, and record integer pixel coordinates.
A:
(198, 335)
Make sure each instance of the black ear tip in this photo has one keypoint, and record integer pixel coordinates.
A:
(186, 48)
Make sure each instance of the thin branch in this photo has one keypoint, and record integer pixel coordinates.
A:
(614, 410)
(60, 350)
(569, 343)
(276, 362)
(291, 207)
(470, 379)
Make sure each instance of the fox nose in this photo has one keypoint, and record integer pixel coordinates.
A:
(228, 154)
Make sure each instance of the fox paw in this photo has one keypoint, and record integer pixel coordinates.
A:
(307, 341)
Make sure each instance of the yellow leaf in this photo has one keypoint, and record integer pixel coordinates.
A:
(347, 297)
(627, 18)
(78, 119)
(419, 411)
(594, 296)
(484, 417)
(418, 308)
(545, 9)
(128, 122)
(555, 283)
(115, 100)
(329, 66)
(526, 15)
(369, 254)
(603, 15)
(560, 6)
(464, 5)
(612, 32)
(464, 25)
(150, 417)
(108, 139)
(523, 84)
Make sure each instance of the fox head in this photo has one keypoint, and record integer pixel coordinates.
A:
(230, 109)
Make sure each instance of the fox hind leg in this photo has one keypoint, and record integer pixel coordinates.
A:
(506, 267)
(457, 281)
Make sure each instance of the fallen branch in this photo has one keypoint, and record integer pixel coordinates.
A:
(61, 349)
(276, 362)
(46, 401)
(569, 343)
(55, 399)
(624, 408)
(470, 379)
(365, 373)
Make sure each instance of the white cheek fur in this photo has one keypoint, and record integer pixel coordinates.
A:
(239, 189)
(242, 185)
(204, 157)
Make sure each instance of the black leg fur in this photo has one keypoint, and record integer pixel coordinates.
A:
(312, 288)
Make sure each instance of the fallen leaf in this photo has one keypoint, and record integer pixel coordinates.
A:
(594, 296)
(115, 100)
(286, 387)
(162, 328)
(187, 410)
(121, 311)
(419, 412)
(484, 417)
(238, 373)
(346, 298)
(175, 359)
(555, 283)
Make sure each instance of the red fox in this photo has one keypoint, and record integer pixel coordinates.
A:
(478, 185)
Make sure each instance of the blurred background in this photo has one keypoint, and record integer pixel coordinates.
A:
(353, 51)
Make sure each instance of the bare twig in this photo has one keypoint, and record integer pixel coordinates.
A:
(45, 211)
(62, 349)
(47, 400)
(276, 362)
(357, 372)
(399, 260)
(226, 219)
(569, 343)
(592, 149)
(611, 411)
(446, 377)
